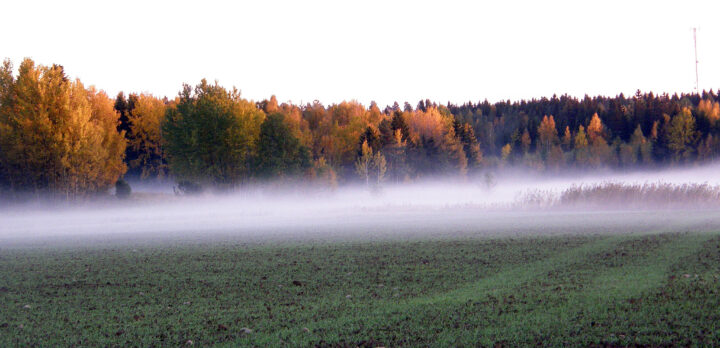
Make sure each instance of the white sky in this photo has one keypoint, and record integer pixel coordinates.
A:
(372, 50)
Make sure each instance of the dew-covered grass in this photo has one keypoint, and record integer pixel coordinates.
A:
(629, 288)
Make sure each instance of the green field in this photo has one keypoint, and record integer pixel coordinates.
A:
(653, 289)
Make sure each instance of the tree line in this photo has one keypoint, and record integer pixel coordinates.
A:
(60, 138)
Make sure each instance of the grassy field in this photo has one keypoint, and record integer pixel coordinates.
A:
(653, 289)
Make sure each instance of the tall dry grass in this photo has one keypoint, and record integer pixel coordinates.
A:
(616, 195)
(646, 195)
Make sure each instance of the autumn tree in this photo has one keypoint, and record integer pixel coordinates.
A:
(315, 115)
(642, 147)
(436, 143)
(56, 136)
(7, 103)
(363, 164)
(567, 139)
(299, 126)
(379, 166)
(146, 143)
(270, 106)
(323, 174)
(708, 148)
(581, 147)
(211, 135)
(681, 135)
(505, 153)
(370, 165)
(103, 154)
(547, 134)
(525, 141)
(340, 132)
(373, 115)
(709, 109)
(600, 151)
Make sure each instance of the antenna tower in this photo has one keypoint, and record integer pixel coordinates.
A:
(697, 85)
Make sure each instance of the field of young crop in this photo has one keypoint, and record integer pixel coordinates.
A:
(618, 289)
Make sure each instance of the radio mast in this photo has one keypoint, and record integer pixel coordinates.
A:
(697, 85)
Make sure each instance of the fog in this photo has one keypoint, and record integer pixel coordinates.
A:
(486, 205)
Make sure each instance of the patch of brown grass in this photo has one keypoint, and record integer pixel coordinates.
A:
(647, 195)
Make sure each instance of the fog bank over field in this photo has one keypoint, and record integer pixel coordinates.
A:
(484, 206)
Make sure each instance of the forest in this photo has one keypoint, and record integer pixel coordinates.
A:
(59, 138)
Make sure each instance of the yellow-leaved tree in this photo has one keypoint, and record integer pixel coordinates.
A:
(58, 138)
(600, 152)
(547, 134)
(440, 150)
(580, 147)
(146, 125)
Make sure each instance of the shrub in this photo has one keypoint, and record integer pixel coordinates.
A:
(188, 188)
(122, 189)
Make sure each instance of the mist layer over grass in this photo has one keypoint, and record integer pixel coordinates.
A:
(505, 203)
(427, 264)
